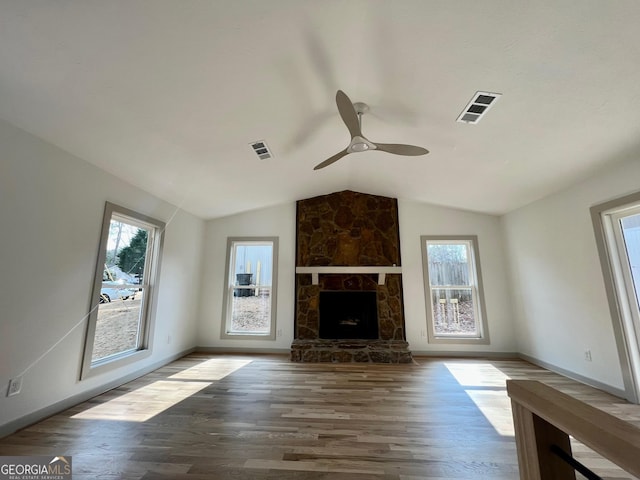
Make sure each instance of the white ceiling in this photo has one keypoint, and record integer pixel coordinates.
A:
(168, 94)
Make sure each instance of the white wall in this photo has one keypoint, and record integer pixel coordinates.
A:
(278, 221)
(561, 308)
(415, 219)
(51, 208)
(418, 219)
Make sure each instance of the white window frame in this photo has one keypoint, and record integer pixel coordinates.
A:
(229, 287)
(623, 306)
(148, 284)
(476, 287)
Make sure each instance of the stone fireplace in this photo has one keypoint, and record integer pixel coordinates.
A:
(349, 305)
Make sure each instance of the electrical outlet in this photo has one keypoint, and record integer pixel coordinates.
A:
(15, 385)
(168, 339)
(587, 355)
(423, 333)
(279, 333)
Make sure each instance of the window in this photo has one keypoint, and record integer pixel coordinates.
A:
(617, 228)
(250, 288)
(453, 290)
(125, 280)
(627, 234)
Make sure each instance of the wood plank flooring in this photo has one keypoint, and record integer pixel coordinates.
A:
(262, 417)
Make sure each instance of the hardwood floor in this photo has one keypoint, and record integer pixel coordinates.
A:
(262, 417)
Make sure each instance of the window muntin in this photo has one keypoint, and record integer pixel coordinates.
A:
(453, 290)
(250, 288)
(119, 318)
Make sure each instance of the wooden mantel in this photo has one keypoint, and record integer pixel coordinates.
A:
(381, 271)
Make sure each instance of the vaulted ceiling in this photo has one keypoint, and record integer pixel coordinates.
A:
(168, 94)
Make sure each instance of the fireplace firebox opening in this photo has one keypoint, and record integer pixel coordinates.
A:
(348, 315)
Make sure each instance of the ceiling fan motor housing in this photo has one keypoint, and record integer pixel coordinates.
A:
(360, 144)
(351, 114)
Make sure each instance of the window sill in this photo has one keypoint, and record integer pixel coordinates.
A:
(115, 363)
(458, 340)
(247, 336)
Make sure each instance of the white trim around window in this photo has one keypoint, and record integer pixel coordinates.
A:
(619, 256)
(454, 296)
(123, 300)
(250, 289)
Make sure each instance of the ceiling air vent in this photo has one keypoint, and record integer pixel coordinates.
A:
(478, 107)
(261, 149)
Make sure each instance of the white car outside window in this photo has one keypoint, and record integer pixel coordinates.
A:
(113, 291)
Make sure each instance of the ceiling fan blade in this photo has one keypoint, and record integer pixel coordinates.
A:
(348, 114)
(401, 149)
(331, 160)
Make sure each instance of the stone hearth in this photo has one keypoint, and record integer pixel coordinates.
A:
(349, 229)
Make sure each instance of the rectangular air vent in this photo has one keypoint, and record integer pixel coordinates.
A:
(261, 149)
(478, 107)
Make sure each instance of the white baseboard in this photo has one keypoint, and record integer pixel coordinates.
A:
(458, 354)
(257, 351)
(431, 353)
(575, 376)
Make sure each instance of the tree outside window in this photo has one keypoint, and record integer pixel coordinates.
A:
(126, 276)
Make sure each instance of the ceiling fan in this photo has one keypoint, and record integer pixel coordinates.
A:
(351, 114)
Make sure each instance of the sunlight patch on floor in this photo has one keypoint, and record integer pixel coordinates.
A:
(489, 394)
(212, 370)
(144, 403)
(477, 374)
(496, 408)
